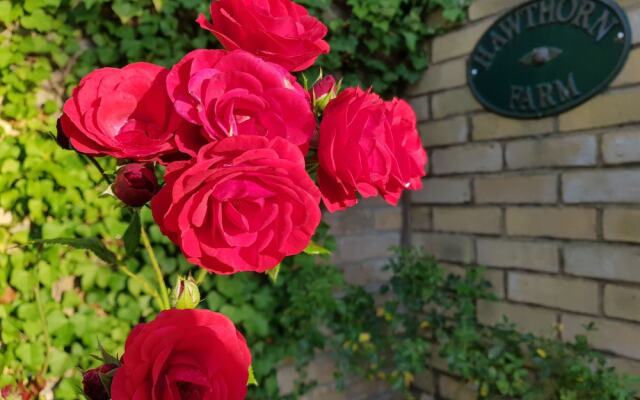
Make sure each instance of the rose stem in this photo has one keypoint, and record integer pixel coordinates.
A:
(156, 267)
(145, 284)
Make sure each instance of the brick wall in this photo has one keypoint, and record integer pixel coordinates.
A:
(364, 235)
(550, 206)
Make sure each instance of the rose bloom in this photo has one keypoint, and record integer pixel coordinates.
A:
(368, 146)
(279, 31)
(184, 354)
(236, 93)
(243, 204)
(124, 113)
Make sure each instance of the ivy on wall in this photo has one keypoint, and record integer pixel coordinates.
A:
(382, 43)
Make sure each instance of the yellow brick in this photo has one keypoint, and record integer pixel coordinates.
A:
(445, 131)
(520, 189)
(612, 108)
(458, 43)
(621, 146)
(538, 321)
(552, 291)
(492, 126)
(618, 337)
(621, 224)
(603, 261)
(452, 102)
(467, 158)
(452, 389)
(482, 8)
(622, 302)
(468, 220)
(501, 253)
(631, 71)
(441, 76)
(574, 150)
(445, 247)
(564, 223)
(444, 191)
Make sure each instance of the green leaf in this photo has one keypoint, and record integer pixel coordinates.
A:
(315, 249)
(106, 357)
(273, 273)
(252, 377)
(131, 236)
(94, 245)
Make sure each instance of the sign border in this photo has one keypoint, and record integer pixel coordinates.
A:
(622, 15)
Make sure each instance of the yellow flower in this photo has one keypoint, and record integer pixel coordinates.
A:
(364, 337)
(484, 390)
(541, 353)
(408, 378)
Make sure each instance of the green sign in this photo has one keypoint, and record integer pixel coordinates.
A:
(548, 56)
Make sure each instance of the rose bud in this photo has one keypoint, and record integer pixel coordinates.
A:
(323, 91)
(61, 138)
(135, 184)
(93, 385)
(185, 295)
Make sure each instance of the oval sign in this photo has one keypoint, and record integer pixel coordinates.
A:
(548, 56)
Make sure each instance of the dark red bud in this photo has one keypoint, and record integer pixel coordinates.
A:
(61, 138)
(135, 184)
(324, 86)
(92, 384)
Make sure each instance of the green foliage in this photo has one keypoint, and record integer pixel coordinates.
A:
(382, 43)
(434, 312)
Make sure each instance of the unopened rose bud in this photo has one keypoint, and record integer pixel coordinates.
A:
(135, 184)
(93, 385)
(61, 138)
(325, 90)
(186, 294)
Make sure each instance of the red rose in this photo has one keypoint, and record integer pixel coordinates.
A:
(92, 385)
(124, 113)
(237, 93)
(279, 31)
(184, 354)
(368, 146)
(135, 184)
(243, 204)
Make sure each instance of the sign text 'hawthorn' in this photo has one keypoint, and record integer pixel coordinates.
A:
(548, 56)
